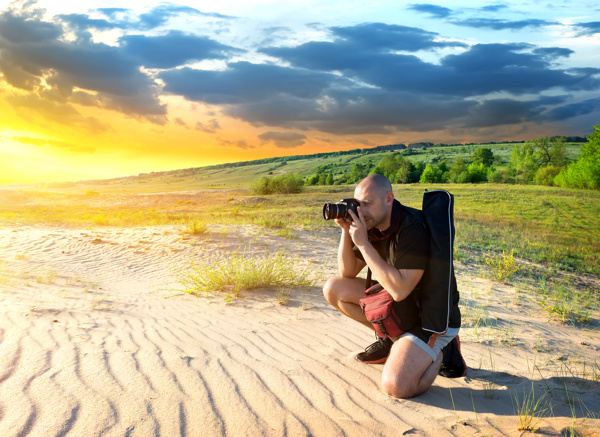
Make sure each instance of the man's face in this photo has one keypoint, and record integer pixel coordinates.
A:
(374, 206)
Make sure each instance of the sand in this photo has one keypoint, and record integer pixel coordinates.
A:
(95, 339)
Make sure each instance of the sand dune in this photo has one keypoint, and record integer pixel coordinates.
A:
(95, 340)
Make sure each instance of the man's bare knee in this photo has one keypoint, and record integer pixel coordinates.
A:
(398, 389)
(330, 291)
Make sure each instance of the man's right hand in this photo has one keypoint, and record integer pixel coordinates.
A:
(342, 223)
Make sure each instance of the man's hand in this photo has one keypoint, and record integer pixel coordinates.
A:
(342, 223)
(358, 228)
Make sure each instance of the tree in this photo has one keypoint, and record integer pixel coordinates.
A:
(483, 156)
(550, 151)
(585, 172)
(536, 154)
(457, 167)
(329, 180)
(395, 168)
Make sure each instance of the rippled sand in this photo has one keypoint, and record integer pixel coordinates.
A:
(96, 340)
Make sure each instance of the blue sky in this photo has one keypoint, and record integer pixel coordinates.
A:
(243, 79)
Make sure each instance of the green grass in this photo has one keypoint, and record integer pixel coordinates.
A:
(530, 410)
(241, 271)
(553, 226)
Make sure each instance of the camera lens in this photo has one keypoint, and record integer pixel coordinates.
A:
(332, 211)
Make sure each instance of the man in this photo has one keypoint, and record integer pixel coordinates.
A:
(391, 239)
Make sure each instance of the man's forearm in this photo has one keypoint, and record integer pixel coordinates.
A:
(399, 285)
(347, 261)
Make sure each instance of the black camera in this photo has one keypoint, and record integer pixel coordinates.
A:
(333, 211)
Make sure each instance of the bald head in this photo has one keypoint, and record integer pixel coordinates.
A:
(376, 198)
(375, 183)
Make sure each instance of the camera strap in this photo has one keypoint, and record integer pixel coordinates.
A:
(368, 279)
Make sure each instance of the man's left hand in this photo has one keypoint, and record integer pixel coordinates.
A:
(358, 228)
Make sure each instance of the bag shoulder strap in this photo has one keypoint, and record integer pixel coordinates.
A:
(369, 281)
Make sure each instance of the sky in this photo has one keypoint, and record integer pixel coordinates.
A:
(102, 89)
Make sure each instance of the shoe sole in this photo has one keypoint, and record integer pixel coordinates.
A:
(379, 361)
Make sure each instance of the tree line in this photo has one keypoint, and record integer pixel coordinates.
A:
(541, 161)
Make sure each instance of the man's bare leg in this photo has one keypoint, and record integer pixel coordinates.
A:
(344, 295)
(408, 371)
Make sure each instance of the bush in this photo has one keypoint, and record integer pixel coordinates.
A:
(289, 183)
(546, 175)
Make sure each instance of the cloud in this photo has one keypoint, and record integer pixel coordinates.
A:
(571, 110)
(107, 71)
(493, 8)
(35, 55)
(241, 144)
(53, 143)
(363, 83)
(356, 45)
(244, 82)
(211, 127)
(498, 24)
(283, 140)
(592, 28)
(122, 18)
(30, 106)
(433, 10)
(173, 49)
(159, 15)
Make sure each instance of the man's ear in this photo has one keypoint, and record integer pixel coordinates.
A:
(389, 198)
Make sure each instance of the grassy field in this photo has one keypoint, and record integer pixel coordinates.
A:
(241, 177)
(540, 224)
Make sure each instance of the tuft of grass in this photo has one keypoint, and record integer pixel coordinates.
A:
(242, 271)
(46, 276)
(530, 410)
(195, 227)
(283, 296)
(286, 233)
(489, 386)
(100, 219)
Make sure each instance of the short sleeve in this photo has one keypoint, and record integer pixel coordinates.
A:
(411, 248)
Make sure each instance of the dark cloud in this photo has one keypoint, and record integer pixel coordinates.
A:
(590, 29)
(53, 143)
(243, 82)
(173, 49)
(283, 140)
(553, 53)
(571, 110)
(433, 10)
(355, 45)
(498, 24)
(106, 71)
(360, 83)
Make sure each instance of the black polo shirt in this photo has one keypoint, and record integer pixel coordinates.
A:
(405, 244)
